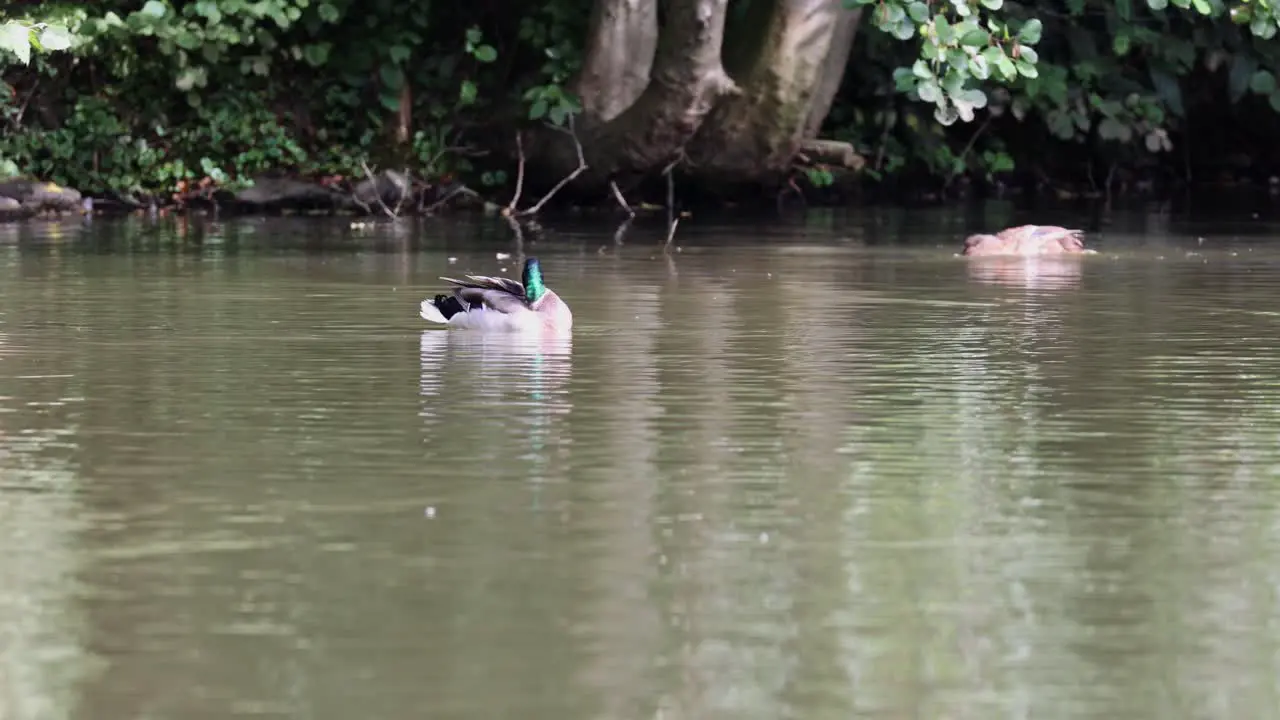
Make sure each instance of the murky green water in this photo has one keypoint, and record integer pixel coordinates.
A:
(821, 471)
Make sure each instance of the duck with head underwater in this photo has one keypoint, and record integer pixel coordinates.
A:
(1028, 241)
(498, 304)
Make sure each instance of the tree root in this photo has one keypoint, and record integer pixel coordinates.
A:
(830, 152)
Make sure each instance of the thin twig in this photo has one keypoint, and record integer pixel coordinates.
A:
(617, 195)
(671, 233)
(622, 231)
(582, 167)
(671, 194)
(361, 204)
(790, 185)
(519, 233)
(515, 199)
(967, 148)
(405, 191)
(459, 190)
(377, 192)
(466, 150)
(17, 118)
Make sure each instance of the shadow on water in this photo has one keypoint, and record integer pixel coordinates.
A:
(816, 468)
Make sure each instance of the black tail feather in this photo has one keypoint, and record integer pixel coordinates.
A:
(448, 305)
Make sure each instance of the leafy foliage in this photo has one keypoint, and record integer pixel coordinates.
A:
(142, 96)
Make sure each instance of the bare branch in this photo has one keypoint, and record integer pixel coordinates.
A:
(671, 194)
(582, 167)
(466, 150)
(515, 199)
(518, 229)
(621, 232)
(617, 195)
(459, 190)
(377, 193)
(404, 191)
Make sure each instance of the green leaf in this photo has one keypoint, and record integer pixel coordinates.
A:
(1029, 54)
(992, 4)
(186, 40)
(399, 53)
(1026, 69)
(1167, 87)
(1263, 82)
(953, 83)
(486, 54)
(467, 92)
(392, 76)
(1202, 6)
(389, 100)
(904, 30)
(928, 91)
(918, 11)
(1060, 125)
(316, 54)
(538, 109)
(1030, 32)
(190, 78)
(155, 9)
(328, 12)
(474, 36)
(1262, 27)
(974, 97)
(16, 39)
(1120, 44)
(979, 67)
(976, 38)
(1124, 10)
(54, 38)
(1157, 5)
(921, 70)
(1112, 129)
(946, 35)
(1242, 68)
(1006, 67)
(904, 80)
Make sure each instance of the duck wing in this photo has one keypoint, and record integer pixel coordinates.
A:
(494, 293)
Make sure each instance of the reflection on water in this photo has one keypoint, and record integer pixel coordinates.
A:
(1034, 273)
(819, 479)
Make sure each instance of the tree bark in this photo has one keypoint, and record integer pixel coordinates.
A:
(622, 39)
(686, 82)
(833, 70)
(756, 133)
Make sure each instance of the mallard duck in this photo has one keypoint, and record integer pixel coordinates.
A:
(501, 304)
(1027, 240)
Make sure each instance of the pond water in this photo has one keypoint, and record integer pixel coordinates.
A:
(809, 469)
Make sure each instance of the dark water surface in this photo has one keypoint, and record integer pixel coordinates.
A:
(821, 470)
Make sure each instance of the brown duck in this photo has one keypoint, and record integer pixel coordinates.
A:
(1027, 240)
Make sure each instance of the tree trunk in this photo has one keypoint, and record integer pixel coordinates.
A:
(686, 82)
(756, 133)
(833, 69)
(621, 42)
